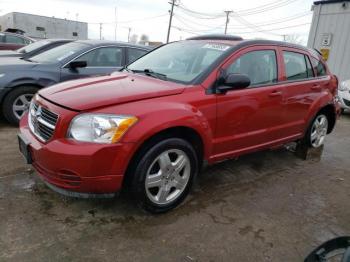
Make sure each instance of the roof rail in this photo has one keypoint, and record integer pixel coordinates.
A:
(216, 37)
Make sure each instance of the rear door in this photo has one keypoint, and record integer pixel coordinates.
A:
(133, 54)
(252, 118)
(301, 86)
(100, 61)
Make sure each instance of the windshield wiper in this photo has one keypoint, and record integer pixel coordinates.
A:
(125, 68)
(150, 72)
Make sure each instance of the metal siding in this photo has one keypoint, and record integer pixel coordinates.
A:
(333, 19)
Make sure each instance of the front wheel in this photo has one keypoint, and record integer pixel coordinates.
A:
(316, 134)
(17, 102)
(164, 175)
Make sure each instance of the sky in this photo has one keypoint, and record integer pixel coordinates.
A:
(268, 19)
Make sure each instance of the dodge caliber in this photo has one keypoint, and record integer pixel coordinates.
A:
(151, 127)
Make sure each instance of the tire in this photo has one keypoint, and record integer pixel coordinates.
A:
(317, 131)
(161, 183)
(16, 98)
(342, 111)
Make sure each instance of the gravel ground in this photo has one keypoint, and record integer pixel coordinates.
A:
(267, 206)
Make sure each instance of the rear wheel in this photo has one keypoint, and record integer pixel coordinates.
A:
(17, 102)
(164, 175)
(316, 134)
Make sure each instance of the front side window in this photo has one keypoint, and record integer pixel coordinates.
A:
(181, 61)
(319, 67)
(295, 65)
(14, 40)
(260, 66)
(103, 57)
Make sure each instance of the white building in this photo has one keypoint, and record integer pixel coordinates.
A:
(36, 26)
(330, 34)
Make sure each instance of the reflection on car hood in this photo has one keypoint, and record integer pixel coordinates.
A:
(103, 91)
(14, 63)
(9, 53)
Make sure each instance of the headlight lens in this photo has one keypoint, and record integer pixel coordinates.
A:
(344, 86)
(100, 128)
(2, 75)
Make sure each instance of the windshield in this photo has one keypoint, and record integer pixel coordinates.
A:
(33, 46)
(180, 61)
(57, 54)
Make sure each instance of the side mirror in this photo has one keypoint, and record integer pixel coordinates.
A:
(77, 64)
(234, 81)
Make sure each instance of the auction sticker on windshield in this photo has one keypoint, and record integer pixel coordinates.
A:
(220, 47)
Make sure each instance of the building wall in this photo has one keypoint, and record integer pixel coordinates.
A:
(44, 27)
(333, 19)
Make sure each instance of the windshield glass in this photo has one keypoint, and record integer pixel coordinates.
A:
(32, 47)
(57, 54)
(180, 61)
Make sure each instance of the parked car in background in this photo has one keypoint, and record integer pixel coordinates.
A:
(20, 79)
(151, 127)
(344, 95)
(11, 41)
(35, 48)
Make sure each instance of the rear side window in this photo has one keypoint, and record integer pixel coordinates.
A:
(260, 66)
(297, 66)
(134, 54)
(319, 67)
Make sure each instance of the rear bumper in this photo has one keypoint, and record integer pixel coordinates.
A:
(79, 169)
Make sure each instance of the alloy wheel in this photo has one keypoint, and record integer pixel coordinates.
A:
(168, 176)
(21, 105)
(319, 131)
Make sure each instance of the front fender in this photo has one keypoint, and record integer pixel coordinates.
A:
(157, 116)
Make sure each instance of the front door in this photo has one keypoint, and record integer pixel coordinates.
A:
(100, 61)
(251, 118)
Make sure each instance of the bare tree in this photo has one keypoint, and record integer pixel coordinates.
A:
(144, 38)
(134, 38)
(293, 38)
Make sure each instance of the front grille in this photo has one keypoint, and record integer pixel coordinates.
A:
(346, 102)
(42, 122)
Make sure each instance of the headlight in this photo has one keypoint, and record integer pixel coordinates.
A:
(344, 86)
(100, 128)
(2, 75)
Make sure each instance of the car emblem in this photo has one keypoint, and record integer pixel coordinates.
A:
(38, 112)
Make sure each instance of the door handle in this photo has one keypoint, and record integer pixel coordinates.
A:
(316, 87)
(275, 93)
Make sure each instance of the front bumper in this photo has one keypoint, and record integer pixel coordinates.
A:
(344, 99)
(78, 169)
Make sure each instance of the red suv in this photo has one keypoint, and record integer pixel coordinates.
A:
(151, 127)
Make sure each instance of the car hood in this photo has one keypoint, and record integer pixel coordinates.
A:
(109, 90)
(14, 63)
(9, 53)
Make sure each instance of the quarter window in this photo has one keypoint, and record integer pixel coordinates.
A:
(104, 57)
(319, 67)
(259, 66)
(296, 66)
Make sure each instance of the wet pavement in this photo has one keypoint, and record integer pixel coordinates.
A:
(267, 206)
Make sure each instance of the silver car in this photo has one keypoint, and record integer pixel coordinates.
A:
(344, 95)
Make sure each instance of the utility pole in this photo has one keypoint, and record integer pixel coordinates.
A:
(285, 38)
(170, 19)
(115, 23)
(129, 34)
(100, 31)
(227, 20)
